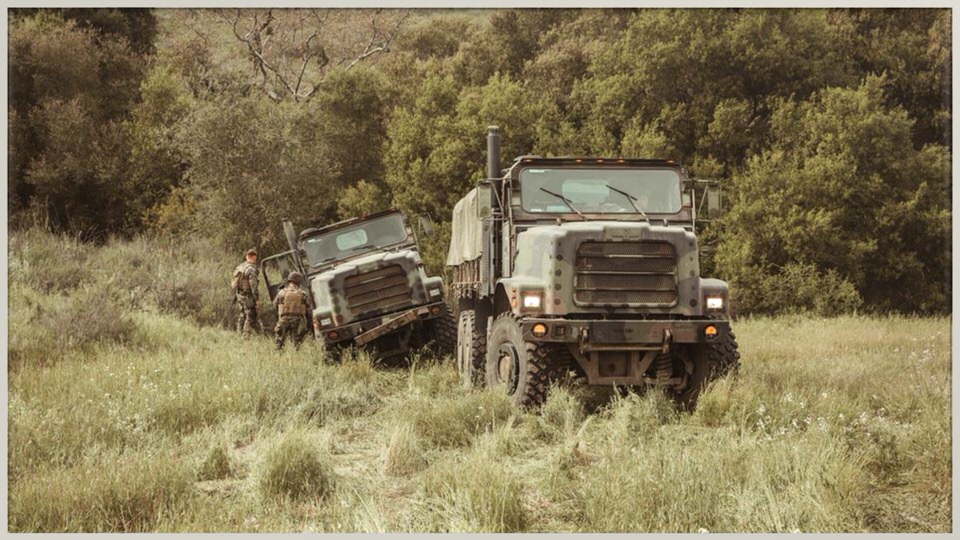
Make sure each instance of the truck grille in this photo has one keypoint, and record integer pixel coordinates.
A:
(382, 290)
(626, 273)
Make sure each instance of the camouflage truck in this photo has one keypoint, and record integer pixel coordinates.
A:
(586, 265)
(367, 286)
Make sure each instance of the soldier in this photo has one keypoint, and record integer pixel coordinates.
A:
(292, 307)
(245, 288)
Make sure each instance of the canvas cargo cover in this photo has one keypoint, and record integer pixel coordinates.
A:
(466, 240)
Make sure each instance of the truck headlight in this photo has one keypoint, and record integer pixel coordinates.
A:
(531, 301)
(714, 302)
(326, 321)
(434, 292)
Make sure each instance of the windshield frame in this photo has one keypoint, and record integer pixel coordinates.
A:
(333, 233)
(521, 201)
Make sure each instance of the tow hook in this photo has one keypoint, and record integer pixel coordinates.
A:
(667, 339)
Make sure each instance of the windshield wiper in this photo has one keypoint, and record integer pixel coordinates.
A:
(364, 246)
(630, 199)
(565, 200)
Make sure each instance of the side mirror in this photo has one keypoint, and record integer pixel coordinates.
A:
(484, 200)
(426, 225)
(714, 202)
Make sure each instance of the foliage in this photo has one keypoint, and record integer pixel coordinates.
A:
(844, 190)
(71, 91)
(403, 454)
(361, 199)
(188, 278)
(827, 126)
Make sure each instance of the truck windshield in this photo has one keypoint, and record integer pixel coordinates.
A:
(354, 239)
(599, 190)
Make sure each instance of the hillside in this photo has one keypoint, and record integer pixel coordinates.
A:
(150, 422)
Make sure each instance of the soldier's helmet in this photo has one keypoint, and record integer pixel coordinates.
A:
(295, 277)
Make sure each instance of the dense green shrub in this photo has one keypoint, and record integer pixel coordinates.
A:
(796, 288)
(187, 277)
(48, 263)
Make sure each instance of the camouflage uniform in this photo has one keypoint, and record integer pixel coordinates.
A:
(292, 307)
(245, 287)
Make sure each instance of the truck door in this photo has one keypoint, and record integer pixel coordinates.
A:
(275, 270)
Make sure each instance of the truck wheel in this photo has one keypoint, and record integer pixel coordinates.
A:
(333, 353)
(711, 361)
(724, 356)
(522, 368)
(703, 369)
(471, 349)
(443, 332)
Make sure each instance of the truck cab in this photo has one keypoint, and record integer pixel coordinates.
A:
(367, 285)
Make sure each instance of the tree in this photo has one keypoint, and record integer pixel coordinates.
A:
(156, 162)
(291, 51)
(671, 69)
(912, 48)
(361, 199)
(71, 91)
(843, 191)
(255, 162)
(136, 26)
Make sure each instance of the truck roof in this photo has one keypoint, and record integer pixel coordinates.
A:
(588, 160)
(344, 223)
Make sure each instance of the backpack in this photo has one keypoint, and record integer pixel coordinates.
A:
(240, 281)
(293, 302)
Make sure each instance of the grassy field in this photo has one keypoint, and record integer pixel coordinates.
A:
(131, 409)
(833, 425)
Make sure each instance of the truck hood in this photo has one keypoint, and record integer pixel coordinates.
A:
(370, 281)
(549, 259)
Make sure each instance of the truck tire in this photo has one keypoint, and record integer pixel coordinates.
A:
(724, 356)
(446, 332)
(333, 353)
(712, 361)
(471, 349)
(522, 368)
(439, 335)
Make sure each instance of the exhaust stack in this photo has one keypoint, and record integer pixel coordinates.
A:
(290, 233)
(493, 152)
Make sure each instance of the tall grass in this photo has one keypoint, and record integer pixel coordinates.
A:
(833, 425)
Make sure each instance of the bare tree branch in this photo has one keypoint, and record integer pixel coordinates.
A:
(282, 48)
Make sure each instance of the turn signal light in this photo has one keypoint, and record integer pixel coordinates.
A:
(333, 334)
(435, 310)
(539, 330)
(710, 331)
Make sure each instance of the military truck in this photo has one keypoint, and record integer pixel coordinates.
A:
(586, 265)
(367, 285)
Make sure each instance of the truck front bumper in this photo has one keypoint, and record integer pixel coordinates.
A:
(622, 351)
(624, 334)
(350, 332)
